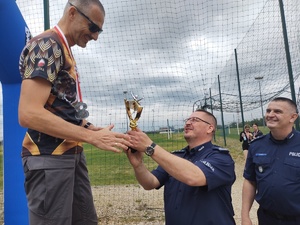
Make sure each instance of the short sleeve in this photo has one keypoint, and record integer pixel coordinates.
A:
(41, 57)
(249, 171)
(161, 175)
(218, 170)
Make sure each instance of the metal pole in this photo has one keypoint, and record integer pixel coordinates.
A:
(211, 106)
(221, 107)
(239, 86)
(288, 57)
(261, 104)
(153, 127)
(46, 15)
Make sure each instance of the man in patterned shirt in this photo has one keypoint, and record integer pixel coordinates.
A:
(56, 178)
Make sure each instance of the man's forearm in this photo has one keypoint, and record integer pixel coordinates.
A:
(145, 177)
(248, 195)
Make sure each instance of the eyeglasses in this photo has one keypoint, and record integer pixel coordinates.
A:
(94, 28)
(195, 120)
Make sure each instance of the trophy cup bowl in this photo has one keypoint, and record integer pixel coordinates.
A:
(134, 111)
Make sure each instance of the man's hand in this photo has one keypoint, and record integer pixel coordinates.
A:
(108, 140)
(135, 158)
(139, 140)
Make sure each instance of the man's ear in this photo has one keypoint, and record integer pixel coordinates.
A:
(294, 117)
(211, 129)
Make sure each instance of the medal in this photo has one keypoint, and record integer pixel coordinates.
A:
(80, 107)
(81, 112)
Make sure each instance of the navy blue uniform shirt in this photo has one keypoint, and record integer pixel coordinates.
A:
(210, 204)
(275, 167)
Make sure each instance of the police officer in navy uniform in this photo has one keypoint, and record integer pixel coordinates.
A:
(272, 170)
(197, 180)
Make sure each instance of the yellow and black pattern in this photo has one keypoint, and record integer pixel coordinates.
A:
(47, 57)
(42, 57)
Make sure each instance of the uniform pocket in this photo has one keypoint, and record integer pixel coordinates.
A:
(48, 184)
(262, 163)
(292, 168)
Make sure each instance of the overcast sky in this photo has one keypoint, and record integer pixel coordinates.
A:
(167, 51)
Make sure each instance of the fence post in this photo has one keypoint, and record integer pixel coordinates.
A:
(239, 86)
(221, 108)
(288, 57)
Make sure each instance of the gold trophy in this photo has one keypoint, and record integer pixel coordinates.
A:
(133, 109)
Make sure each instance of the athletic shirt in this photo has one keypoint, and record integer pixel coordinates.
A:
(48, 56)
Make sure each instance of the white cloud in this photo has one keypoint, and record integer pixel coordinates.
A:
(169, 52)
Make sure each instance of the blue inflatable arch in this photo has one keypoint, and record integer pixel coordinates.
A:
(14, 34)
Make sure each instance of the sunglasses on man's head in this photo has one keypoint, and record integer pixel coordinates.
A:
(93, 28)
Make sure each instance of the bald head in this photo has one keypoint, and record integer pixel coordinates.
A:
(83, 4)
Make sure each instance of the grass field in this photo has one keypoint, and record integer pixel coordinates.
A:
(111, 176)
(107, 168)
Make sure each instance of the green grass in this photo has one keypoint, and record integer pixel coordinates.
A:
(107, 168)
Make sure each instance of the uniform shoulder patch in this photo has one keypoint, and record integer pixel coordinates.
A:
(220, 149)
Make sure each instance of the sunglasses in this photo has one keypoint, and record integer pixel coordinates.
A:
(93, 28)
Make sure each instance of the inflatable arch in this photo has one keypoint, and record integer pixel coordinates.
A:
(14, 34)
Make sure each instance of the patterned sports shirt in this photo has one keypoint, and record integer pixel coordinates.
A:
(48, 56)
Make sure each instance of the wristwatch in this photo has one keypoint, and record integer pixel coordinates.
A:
(150, 149)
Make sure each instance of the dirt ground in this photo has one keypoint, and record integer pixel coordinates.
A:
(131, 204)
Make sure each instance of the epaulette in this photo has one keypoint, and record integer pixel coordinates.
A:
(220, 149)
(257, 138)
(178, 151)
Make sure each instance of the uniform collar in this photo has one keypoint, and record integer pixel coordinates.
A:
(290, 136)
(199, 147)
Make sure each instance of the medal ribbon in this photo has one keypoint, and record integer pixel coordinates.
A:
(65, 43)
